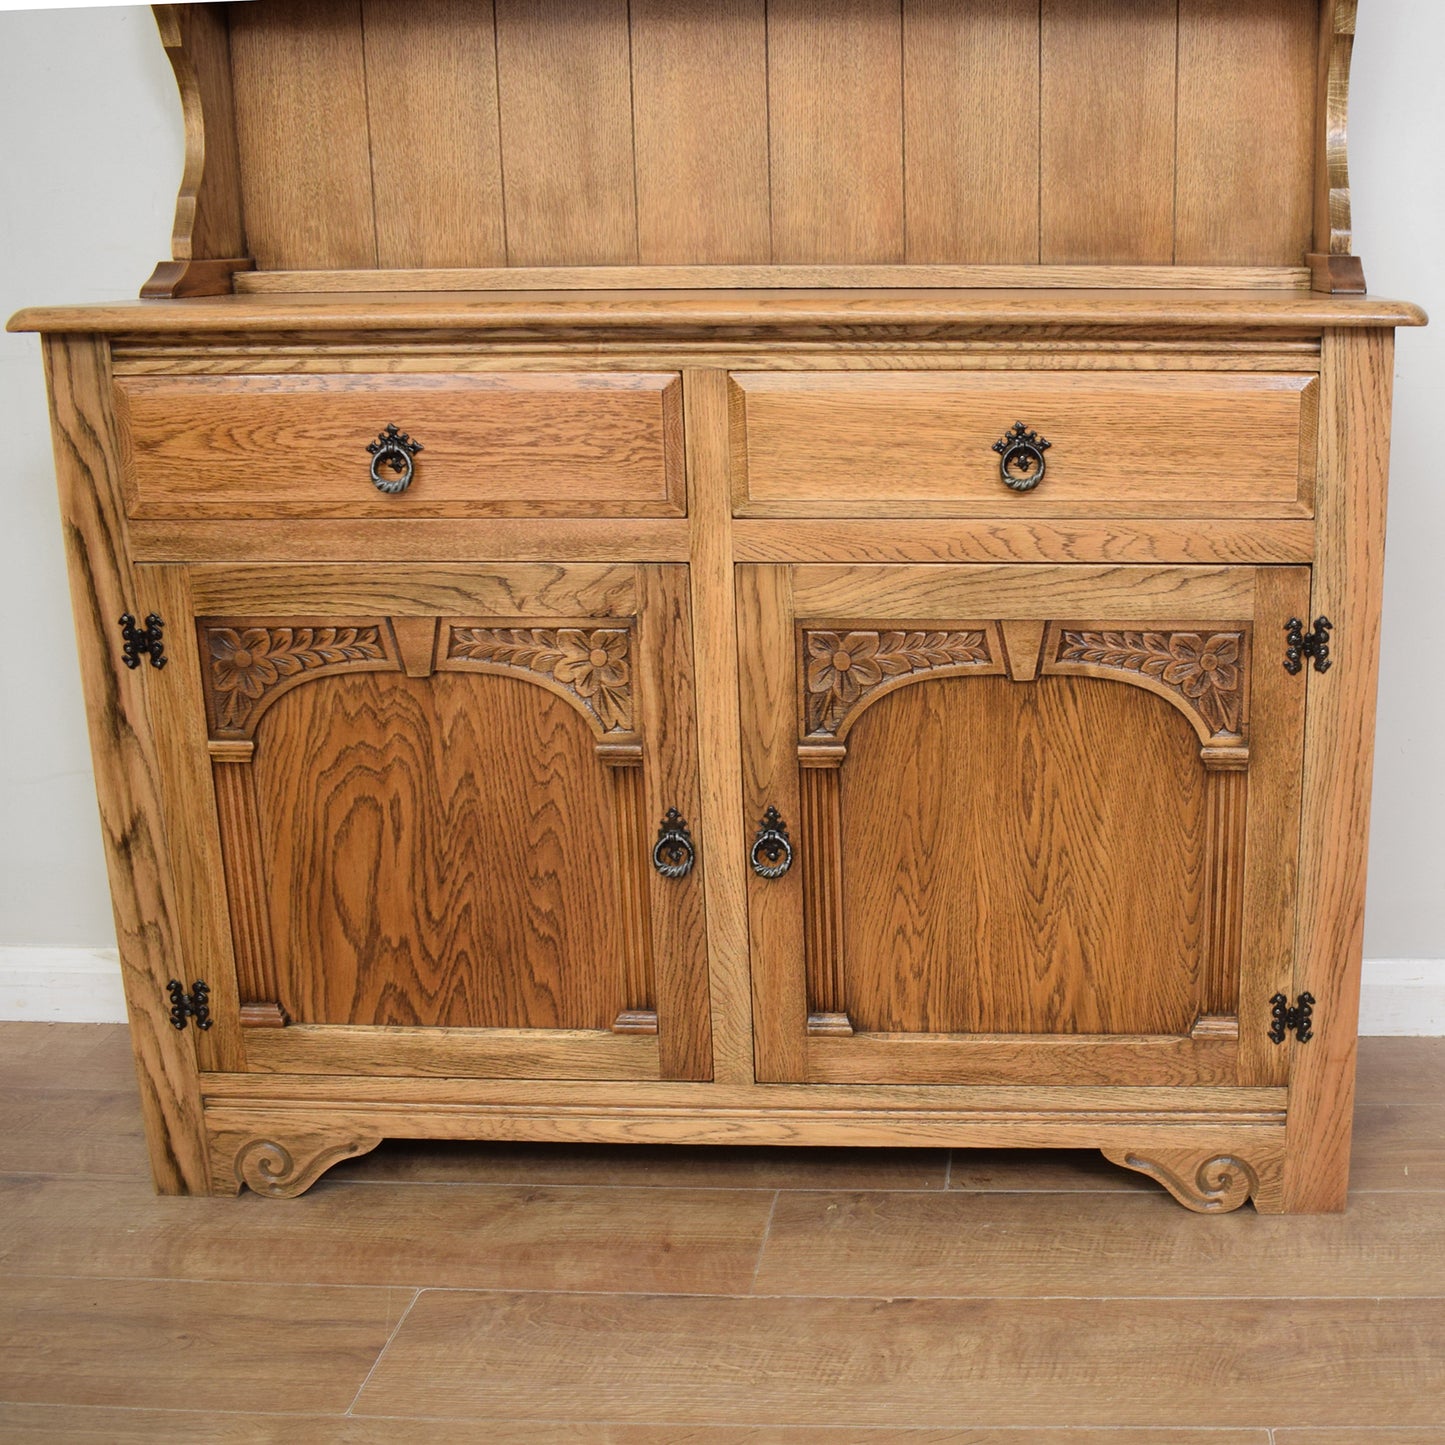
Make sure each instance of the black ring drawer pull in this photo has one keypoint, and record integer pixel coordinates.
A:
(393, 450)
(1021, 457)
(772, 853)
(673, 853)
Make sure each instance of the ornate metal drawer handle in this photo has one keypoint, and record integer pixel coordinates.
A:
(1021, 457)
(393, 450)
(771, 845)
(673, 854)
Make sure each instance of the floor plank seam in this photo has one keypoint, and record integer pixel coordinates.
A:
(381, 1354)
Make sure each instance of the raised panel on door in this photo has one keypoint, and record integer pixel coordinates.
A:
(423, 804)
(1035, 824)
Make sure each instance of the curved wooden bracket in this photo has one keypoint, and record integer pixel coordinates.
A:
(208, 241)
(1332, 266)
(283, 1165)
(1212, 1181)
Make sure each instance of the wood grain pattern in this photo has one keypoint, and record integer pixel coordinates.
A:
(971, 137)
(914, 443)
(1339, 749)
(719, 729)
(419, 837)
(514, 1355)
(208, 221)
(524, 444)
(1332, 216)
(1246, 131)
(835, 108)
(1021, 912)
(1092, 133)
(700, 131)
(564, 81)
(305, 181)
(133, 830)
(431, 104)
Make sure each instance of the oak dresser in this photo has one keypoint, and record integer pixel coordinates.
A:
(741, 571)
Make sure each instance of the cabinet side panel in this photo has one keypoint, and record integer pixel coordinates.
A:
(971, 130)
(1107, 145)
(1339, 754)
(300, 93)
(431, 95)
(564, 79)
(836, 131)
(1246, 129)
(123, 753)
(700, 109)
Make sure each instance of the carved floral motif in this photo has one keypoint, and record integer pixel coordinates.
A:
(1202, 668)
(591, 665)
(844, 668)
(247, 663)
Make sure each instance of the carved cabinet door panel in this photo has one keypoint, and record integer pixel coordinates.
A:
(1033, 824)
(424, 817)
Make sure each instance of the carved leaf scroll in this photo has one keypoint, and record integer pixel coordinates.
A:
(591, 666)
(1204, 670)
(250, 664)
(842, 670)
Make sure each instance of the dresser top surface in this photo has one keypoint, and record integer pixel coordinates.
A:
(723, 309)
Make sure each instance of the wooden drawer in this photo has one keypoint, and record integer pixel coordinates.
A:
(922, 443)
(558, 444)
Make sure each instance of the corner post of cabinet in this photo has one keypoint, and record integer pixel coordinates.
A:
(102, 584)
(1356, 376)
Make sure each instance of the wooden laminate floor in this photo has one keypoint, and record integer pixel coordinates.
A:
(649, 1296)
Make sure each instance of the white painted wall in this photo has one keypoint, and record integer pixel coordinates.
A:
(90, 136)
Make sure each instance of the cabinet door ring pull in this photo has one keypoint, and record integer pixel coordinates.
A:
(772, 852)
(673, 854)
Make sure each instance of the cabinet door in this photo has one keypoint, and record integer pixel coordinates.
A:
(1040, 822)
(416, 811)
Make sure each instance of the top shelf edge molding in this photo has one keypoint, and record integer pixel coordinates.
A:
(511, 148)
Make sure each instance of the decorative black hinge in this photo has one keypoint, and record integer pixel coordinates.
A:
(142, 642)
(1300, 644)
(194, 1005)
(1296, 1020)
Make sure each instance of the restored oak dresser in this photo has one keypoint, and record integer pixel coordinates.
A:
(776, 571)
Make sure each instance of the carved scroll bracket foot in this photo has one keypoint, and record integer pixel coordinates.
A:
(1211, 1181)
(282, 1165)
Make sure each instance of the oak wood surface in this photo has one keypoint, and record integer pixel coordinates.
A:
(826, 442)
(1347, 582)
(1183, 312)
(288, 446)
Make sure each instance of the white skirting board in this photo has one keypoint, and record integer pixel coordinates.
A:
(82, 986)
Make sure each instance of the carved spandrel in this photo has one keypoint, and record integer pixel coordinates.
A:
(589, 666)
(1202, 672)
(844, 671)
(248, 665)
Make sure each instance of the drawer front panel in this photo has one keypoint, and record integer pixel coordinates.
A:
(519, 444)
(922, 443)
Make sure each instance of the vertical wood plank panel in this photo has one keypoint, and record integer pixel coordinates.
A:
(565, 87)
(1107, 131)
(666, 708)
(719, 733)
(431, 94)
(700, 104)
(1339, 753)
(300, 91)
(1246, 126)
(835, 97)
(971, 130)
(122, 747)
